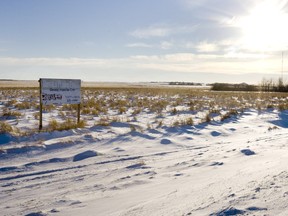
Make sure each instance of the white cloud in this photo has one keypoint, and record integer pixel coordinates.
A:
(152, 31)
(241, 55)
(166, 45)
(144, 58)
(51, 61)
(226, 63)
(210, 47)
(180, 57)
(161, 31)
(207, 47)
(140, 45)
(175, 62)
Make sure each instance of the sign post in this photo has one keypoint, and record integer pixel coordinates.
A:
(58, 92)
(41, 107)
(78, 114)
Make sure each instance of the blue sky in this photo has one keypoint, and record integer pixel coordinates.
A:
(151, 40)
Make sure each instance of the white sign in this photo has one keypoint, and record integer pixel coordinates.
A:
(60, 91)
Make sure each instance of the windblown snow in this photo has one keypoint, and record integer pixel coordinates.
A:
(234, 167)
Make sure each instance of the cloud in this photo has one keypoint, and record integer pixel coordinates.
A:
(161, 31)
(140, 45)
(220, 47)
(232, 63)
(185, 62)
(51, 61)
(207, 47)
(151, 31)
(166, 45)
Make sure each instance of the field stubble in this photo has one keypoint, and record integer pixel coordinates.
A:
(140, 107)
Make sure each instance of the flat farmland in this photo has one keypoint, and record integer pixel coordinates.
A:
(143, 149)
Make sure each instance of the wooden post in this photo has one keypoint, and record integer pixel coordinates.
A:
(78, 114)
(41, 106)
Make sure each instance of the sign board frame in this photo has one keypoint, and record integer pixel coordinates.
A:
(58, 92)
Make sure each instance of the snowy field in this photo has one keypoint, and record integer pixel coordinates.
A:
(145, 151)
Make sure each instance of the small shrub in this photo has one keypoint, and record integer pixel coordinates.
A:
(189, 122)
(270, 106)
(183, 122)
(132, 128)
(85, 111)
(14, 114)
(160, 124)
(122, 110)
(149, 127)
(134, 119)
(23, 105)
(11, 102)
(5, 128)
(65, 107)
(176, 123)
(105, 122)
(81, 124)
(192, 108)
(68, 124)
(136, 111)
(192, 105)
(95, 112)
(48, 108)
(282, 106)
(272, 128)
(214, 111)
(158, 106)
(229, 114)
(62, 114)
(259, 107)
(116, 119)
(174, 111)
(53, 125)
(207, 118)
(36, 115)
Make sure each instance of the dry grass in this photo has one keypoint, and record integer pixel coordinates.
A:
(7, 113)
(68, 124)
(168, 106)
(5, 128)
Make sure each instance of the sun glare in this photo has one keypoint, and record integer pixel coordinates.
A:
(265, 28)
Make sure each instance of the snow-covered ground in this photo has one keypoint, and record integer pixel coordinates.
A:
(230, 167)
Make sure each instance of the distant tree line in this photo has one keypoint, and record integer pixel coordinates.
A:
(266, 85)
(233, 87)
(6, 80)
(270, 85)
(185, 83)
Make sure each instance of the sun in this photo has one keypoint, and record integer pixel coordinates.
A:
(265, 28)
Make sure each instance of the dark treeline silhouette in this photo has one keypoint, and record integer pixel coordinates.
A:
(270, 85)
(185, 83)
(266, 85)
(233, 87)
